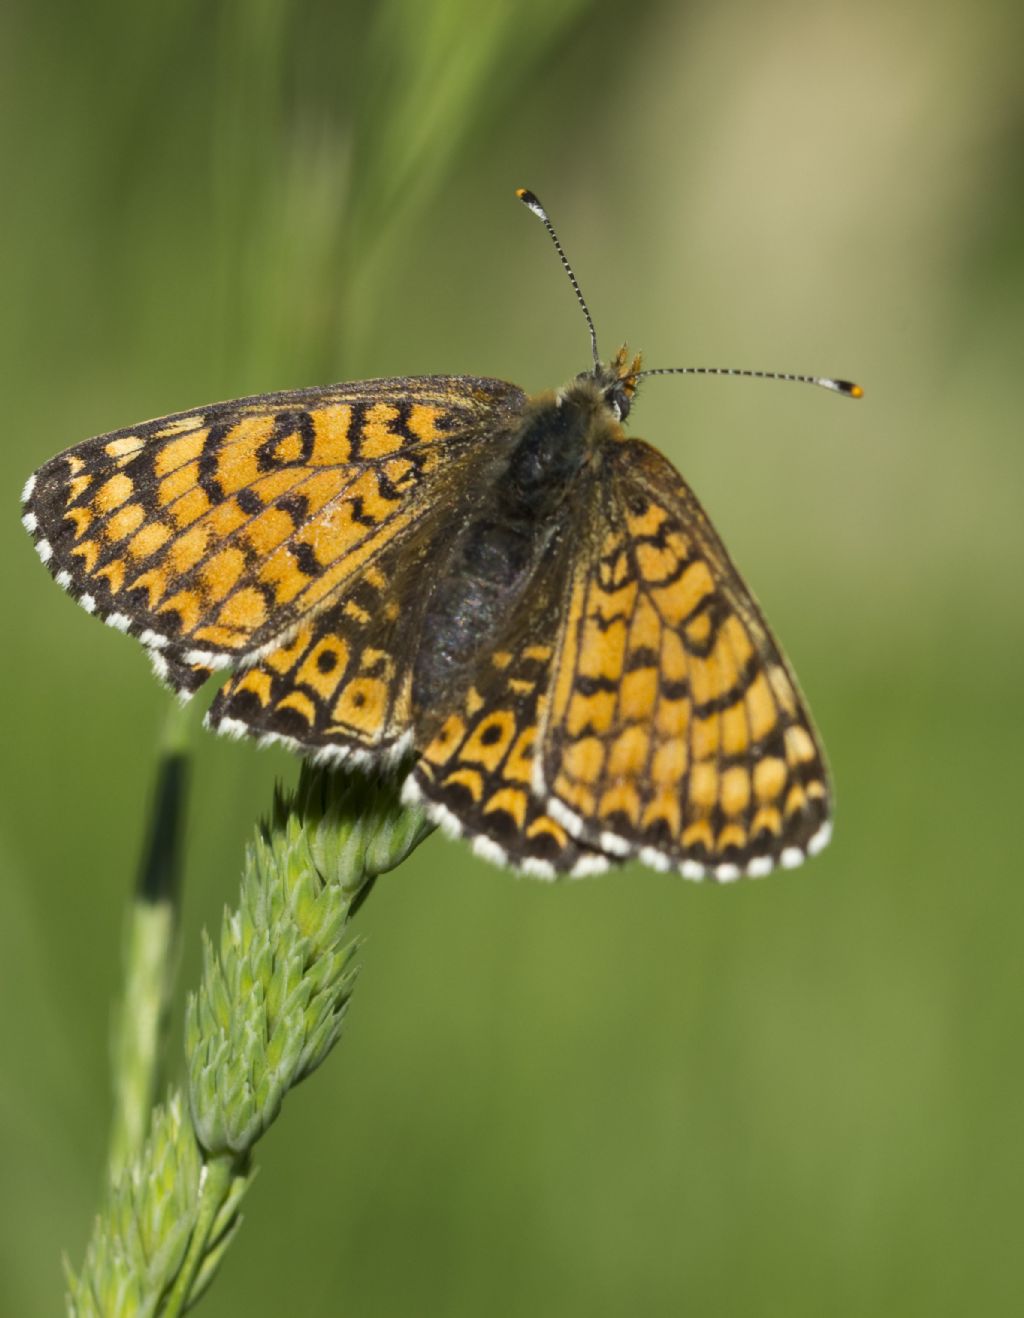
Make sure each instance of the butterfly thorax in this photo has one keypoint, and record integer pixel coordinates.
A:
(488, 563)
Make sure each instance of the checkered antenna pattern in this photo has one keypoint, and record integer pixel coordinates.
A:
(532, 202)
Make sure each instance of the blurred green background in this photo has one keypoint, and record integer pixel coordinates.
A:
(630, 1095)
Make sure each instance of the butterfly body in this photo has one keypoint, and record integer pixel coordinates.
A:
(508, 593)
(516, 521)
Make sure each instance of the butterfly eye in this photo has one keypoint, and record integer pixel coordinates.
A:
(619, 401)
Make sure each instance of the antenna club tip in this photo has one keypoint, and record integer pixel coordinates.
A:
(531, 200)
(846, 387)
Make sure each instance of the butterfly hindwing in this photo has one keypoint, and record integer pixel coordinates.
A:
(338, 686)
(210, 534)
(476, 768)
(675, 730)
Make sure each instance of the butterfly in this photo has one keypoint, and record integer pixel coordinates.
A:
(507, 593)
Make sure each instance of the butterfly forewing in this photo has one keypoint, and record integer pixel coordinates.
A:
(211, 534)
(675, 730)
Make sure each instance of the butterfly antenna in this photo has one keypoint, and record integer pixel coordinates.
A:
(846, 387)
(532, 203)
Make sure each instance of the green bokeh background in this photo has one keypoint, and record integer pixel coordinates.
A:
(630, 1095)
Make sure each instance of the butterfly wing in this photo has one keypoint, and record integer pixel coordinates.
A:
(339, 685)
(212, 534)
(476, 769)
(674, 729)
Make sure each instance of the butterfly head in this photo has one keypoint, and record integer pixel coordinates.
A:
(616, 381)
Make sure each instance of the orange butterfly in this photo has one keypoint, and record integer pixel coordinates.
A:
(506, 593)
